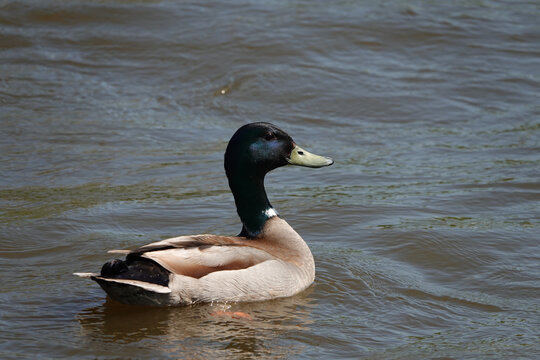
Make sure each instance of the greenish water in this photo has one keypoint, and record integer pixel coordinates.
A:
(114, 119)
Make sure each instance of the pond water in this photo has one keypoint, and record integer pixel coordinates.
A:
(115, 115)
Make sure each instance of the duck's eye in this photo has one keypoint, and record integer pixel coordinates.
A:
(270, 136)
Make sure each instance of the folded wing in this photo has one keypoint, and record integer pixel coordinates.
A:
(198, 255)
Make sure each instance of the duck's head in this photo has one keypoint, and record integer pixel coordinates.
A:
(257, 148)
(253, 151)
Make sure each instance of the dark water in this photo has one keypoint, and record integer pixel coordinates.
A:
(426, 231)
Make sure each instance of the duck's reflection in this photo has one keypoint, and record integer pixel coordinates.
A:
(210, 330)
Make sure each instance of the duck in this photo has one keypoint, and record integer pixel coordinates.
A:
(268, 259)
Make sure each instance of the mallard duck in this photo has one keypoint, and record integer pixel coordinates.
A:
(267, 260)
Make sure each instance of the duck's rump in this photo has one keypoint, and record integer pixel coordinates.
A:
(136, 268)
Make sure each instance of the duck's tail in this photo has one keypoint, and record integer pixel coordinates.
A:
(130, 285)
(142, 284)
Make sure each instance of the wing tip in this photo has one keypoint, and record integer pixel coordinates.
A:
(125, 252)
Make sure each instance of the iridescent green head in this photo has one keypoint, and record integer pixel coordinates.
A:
(261, 147)
(253, 151)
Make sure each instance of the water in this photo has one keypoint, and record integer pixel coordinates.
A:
(114, 119)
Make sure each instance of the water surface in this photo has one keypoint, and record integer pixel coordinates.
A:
(114, 119)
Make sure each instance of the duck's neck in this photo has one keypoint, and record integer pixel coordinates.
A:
(252, 203)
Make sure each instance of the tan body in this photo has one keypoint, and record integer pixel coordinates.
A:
(207, 268)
